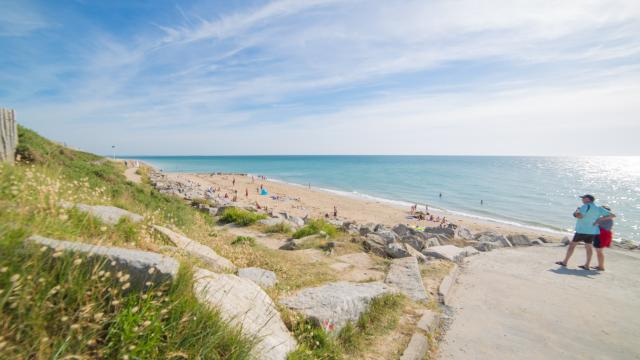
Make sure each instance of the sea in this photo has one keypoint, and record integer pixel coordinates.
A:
(534, 192)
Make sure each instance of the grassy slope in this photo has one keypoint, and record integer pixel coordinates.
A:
(34, 323)
(58, 305)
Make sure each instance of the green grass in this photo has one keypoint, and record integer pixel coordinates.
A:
(240, 217)
(244, 240)
(69, 307)
(60, 305)
(279, 228)
(315, 227)
(381, 316)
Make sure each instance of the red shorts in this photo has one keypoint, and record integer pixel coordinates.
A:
(604, 239)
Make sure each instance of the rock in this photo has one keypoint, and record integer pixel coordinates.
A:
(544, 240)
(396, 250)
(431, 242)
(295, 220)
(404, 275)
(404, 230)
(136, 263)
(202, 252)
(417, 348)
(448, 252)
(415, 253)
(366, 229)
(415, 241)
(375, 243)
(336, 303)
(484, 246)
(496, 239)
(271, 221)
(244, 304)
(470, 251)
(444, 290)
(626, 244)
(464, 234)
(379, 227)
(536, 242)
(265, 278)
(519, 240)
(388, 235)
(296, 244)
(428, 322)
(107, 214)
(335, 222)
(446, 232)
(565, 241)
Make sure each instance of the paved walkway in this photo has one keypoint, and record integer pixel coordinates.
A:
(516, 304)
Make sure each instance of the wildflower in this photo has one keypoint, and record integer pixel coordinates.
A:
(149, 283)
(125, 357)
(119, 274)
(4, 269)
(126, 286)
(75, 326)
(91, 342)
(124, 278)
(43, 249)
(15, 277)
(146, 323)
(101, 273)
(115, 302)
(135, 310)
(152, 270)
(57, 254)
(44, 339)
(103, 228)
(163, 311)
(41, 280)
(131, 347)
(3, 344)
(144, 297)
(64, 217)
(77, 261)
(64, 318)
(98, 316)
(113, 263)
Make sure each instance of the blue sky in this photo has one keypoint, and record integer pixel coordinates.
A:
(325, 76)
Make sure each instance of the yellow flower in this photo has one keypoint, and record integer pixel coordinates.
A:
(57, 254)
(64, 318)
(135, 309)
(126, 286)
(77, 261)
(75, 326)
(4, 269)
(103, 228)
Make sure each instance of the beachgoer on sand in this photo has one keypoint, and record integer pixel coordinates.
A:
(335, 212)
(246, 192)
(233, 182)
(603, 240)
(587, 218)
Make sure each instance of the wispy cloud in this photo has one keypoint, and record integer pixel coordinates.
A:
(283, 69)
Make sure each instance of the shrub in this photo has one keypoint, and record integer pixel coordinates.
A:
(281, 227)
(240, 217)
(244, 240)
(314, 227)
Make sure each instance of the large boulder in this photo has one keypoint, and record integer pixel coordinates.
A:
(388, 235)
(484, 246)
(107, 214)
(336, 303)
(404, 230)
(449, 252)
(495, 239)
(375, 243)
(367, 229)
(194, 248)
(415, 241)
(446, 232)
(141, 266)
(296, 221)
(265, 278)
(271, 221)
(404, 275)
(297, 244)
(519, 240)
(244, 304)
(432, 242)
(396, 250)
(464, 234)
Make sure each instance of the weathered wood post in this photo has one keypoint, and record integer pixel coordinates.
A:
(8, 135)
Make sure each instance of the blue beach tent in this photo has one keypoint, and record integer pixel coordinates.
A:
(264, 192)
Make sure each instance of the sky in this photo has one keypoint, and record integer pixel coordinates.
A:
(464, 77)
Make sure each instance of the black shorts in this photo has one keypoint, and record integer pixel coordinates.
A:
(585, 238)
(596, 242)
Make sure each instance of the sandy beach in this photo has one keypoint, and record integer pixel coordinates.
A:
(303, 201)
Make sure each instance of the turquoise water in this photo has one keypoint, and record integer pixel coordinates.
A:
(531, 191)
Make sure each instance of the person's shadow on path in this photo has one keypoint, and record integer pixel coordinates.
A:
(575, 272)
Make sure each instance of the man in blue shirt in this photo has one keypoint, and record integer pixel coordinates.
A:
(587, 217)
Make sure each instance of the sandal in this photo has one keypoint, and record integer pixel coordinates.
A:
(584, 267)
(561, 263)
(597, 268)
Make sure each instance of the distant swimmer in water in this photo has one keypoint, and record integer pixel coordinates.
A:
(481, 202)
(440, 195)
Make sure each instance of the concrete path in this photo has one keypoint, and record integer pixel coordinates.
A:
(516, 304)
